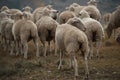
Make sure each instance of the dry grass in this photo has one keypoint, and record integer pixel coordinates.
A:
(18, 68)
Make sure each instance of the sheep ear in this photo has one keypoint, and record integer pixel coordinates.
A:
(67, 8)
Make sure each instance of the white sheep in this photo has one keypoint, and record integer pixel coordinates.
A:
(71, 39)
(9, 36)
(66, 15)
(106, 18)
(27, 13)
(37, 13)
(113, 22)
(23, 31)
(46, 28)
(94, 31)
(3, 21)
(92, 10)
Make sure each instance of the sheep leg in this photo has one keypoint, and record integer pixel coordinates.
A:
(21, 48)
(45, 50)
(86, 67)
(56, 48)
(75, 64)
(49, 47)
(25, 49)
(91, 50)
(98, 45)
(11, 47)
(4, 43)
(36, 41)
(17, 47)
(60, 64)
(71, 62)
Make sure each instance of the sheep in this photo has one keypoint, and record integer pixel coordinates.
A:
(4, 19)
(94, 31)
(113, 22)
(66, 15)
(23, 31)
(17, 16)
(12, 12)
(92, 10)
(106, 18)
(46, 28)
(9, 36)
(37, 14)
(27, 13)
(27, 9)
(71, 39)
(76, 7)
(28, 16)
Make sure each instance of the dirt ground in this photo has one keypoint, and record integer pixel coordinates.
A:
(107, 67)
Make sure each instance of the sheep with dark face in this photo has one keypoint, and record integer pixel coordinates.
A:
(70, 38)
(46, 28)
(114, 22)
(27, 9)
(94, 31)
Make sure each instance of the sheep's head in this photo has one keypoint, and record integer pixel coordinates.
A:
(50, 12)
(49, 7)
(77, 22)
(54, 14)
(27, 8)
(3, 15)
(92, 2)
(83, 14)
(46, 12)
(26, 15)
(4, 8)
(18, 15)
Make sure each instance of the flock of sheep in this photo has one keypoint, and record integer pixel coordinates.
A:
(73, 30)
